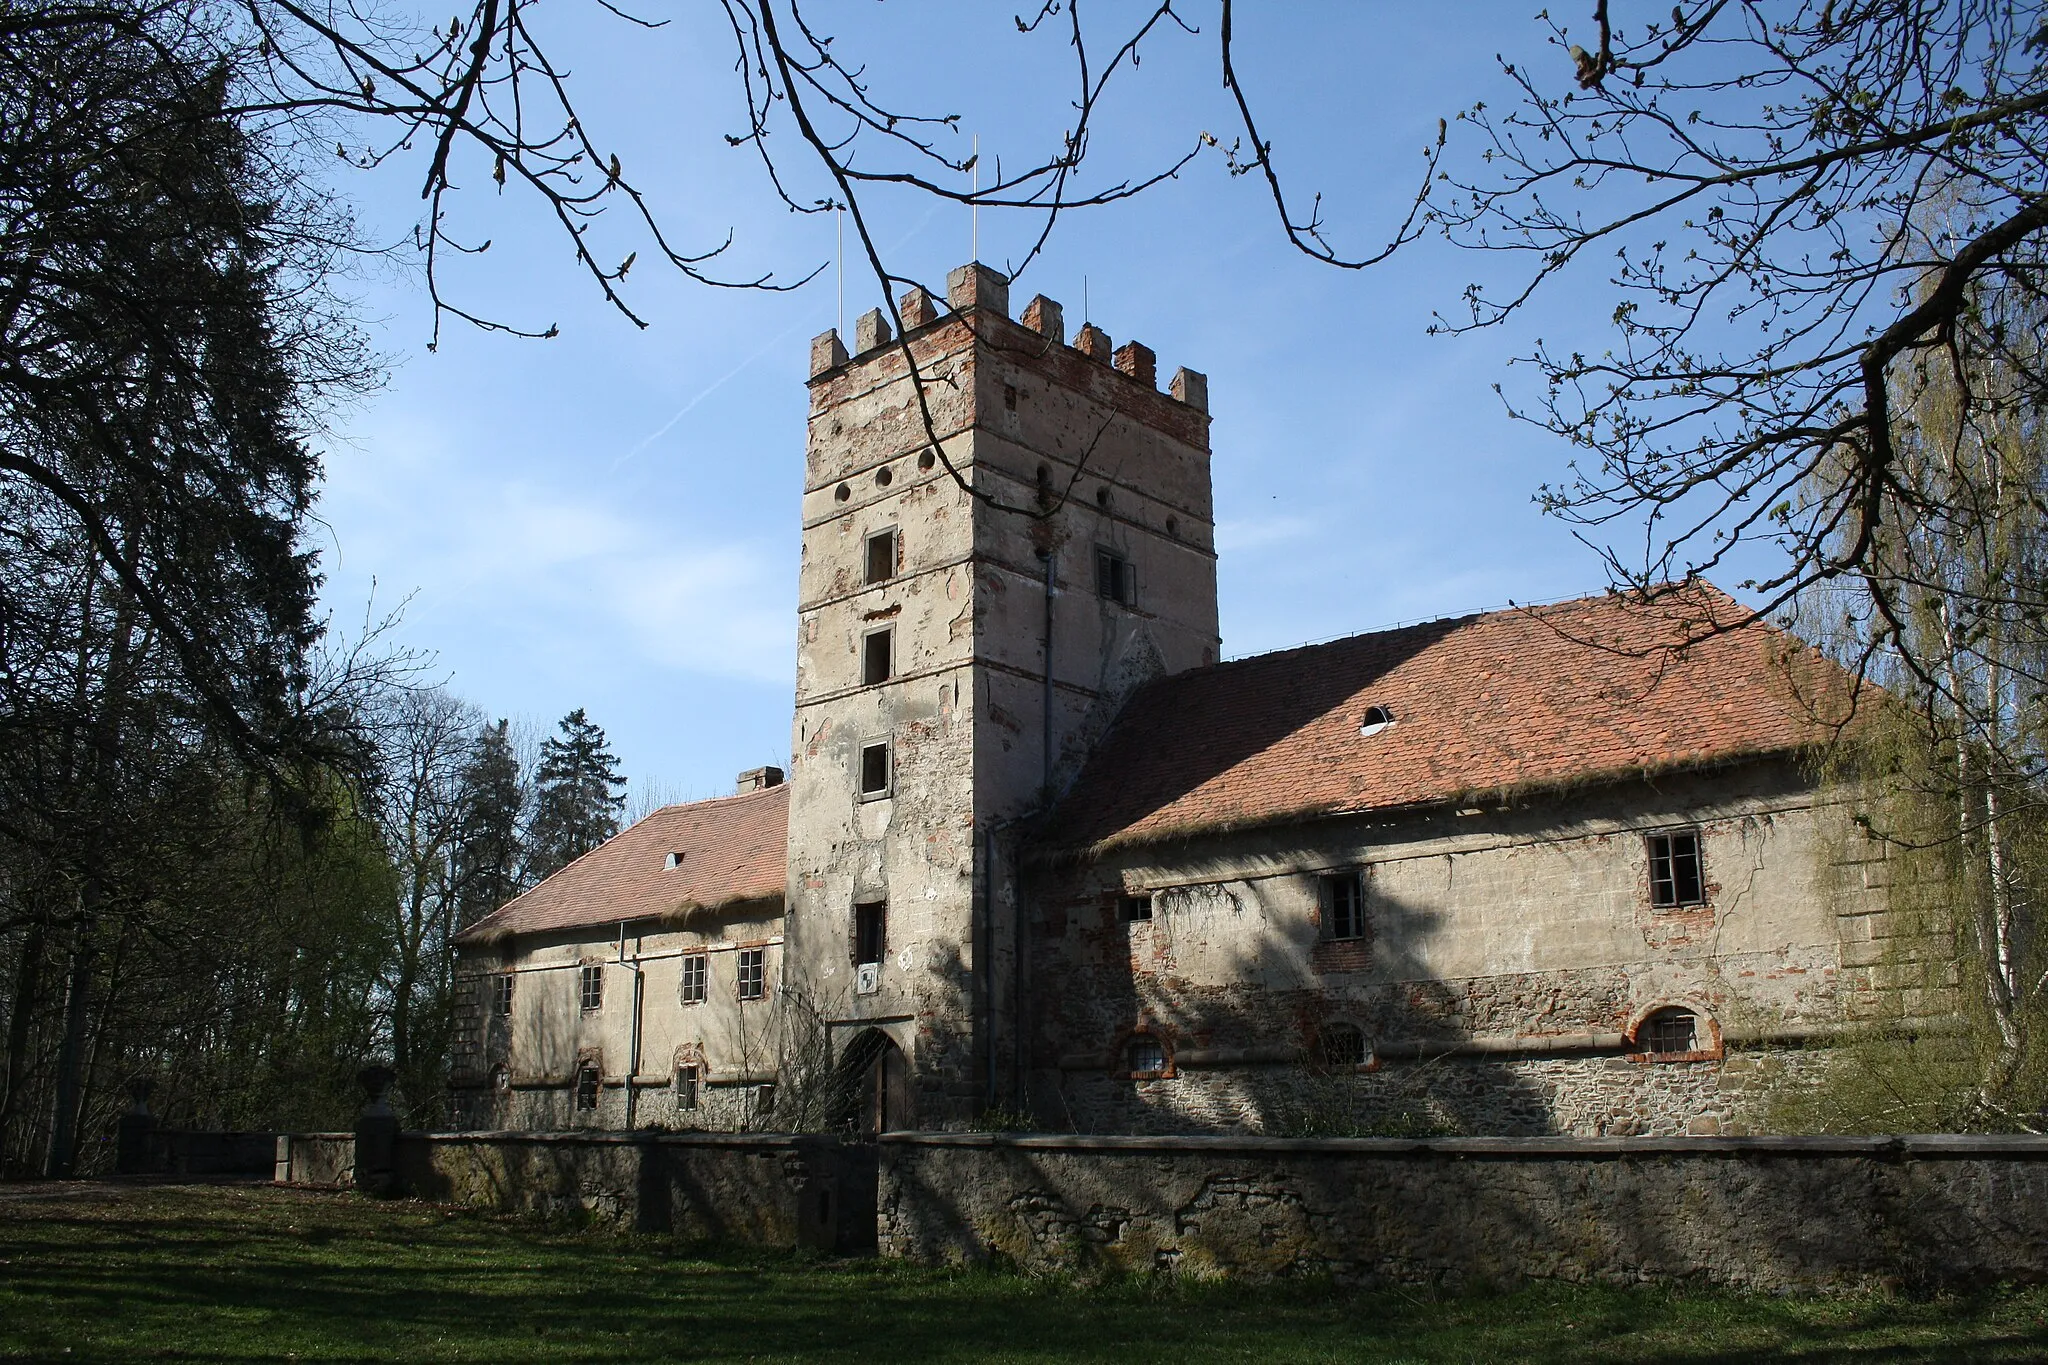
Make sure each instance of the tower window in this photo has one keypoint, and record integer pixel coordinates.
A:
(1116, 578)
(696, 971)
(870, 929)
(1344, 905)
(877, 657)
(1676, 875)
(501, 995)
(881, 565)
(753, 973)
(590, 987)
(874, 769)
(1010, 397)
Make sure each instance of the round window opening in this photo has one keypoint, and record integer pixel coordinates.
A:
(883, 478)
(1173, 527)
(1669, 1033)
(842, 493)
(1376, 719)
(1147, 1055)
(927, 460)
(1340, 1045)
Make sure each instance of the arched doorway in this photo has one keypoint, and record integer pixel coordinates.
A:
(874, 1085)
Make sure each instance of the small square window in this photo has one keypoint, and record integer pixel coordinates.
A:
(696, 972)
(1116, 578)
(686, 1087)
(1676, 875)
(881, 560)
(1135, 907)
(586, 1086)
(591, 987)
(870, 930)
(753, 973)
(877, 658)
(874, 769)
(501, 995)
(1344, 906)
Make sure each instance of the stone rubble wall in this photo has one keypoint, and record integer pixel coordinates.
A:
(1771, 1214)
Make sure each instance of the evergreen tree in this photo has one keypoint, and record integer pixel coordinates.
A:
(488, 853)
(579, 793)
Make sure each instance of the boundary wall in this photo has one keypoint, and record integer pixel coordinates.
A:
(1760, 1213)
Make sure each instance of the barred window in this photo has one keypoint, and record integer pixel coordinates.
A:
(1147, 1056)
(1344, 905)
(586, 1085)
(591, 987)
(1676, 875)
(501, 995)
(1340, 1045)
(753, 973)
(1668, 1033)
(696, 973)
(686, 1087)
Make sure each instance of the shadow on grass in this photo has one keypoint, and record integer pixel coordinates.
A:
(269, 1274)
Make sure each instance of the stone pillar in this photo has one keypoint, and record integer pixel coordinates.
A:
(377, 1134)
(133, 1133)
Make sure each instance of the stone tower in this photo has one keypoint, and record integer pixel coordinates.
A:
(927, 729)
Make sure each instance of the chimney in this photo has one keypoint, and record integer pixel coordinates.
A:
(974, 285)
(1093, 342)
(916, 308)
(1135, 359)
(760, 779)
(870, 330)
(1045, 317)
(826, 353)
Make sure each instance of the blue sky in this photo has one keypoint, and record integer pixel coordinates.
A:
(609, 519)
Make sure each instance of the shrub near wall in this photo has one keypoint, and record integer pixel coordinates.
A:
(1756, 1213)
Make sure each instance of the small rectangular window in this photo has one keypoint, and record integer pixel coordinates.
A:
(696, 971)
(591, 987)
(1116, 578)
(1135, 907)
(1676, 877)
(1344, 905)
(881, 565)
(753, 973)
(586, 1085)
(870, 927)
(874, 769)
(686, 1087)
(501, 995)
(877, 658)
(764, 1098)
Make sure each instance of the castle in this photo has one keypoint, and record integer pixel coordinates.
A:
(1042, 859)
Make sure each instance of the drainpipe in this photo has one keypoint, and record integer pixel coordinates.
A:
(1046, 731)
(633, 1049)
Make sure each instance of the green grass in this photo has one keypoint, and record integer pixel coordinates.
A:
(250, 1273)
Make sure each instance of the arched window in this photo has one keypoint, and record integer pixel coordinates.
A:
(1146, 1056)
(501, 1078)
(1668, 1033)
(1340, 1045)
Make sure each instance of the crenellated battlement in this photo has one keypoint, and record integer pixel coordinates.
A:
(975, 289)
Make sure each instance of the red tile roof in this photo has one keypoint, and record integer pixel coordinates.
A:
(735, 852)
(1528, 697)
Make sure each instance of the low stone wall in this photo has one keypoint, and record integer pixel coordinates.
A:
(753, 1189)
(1757, 1213)
(171, 1151)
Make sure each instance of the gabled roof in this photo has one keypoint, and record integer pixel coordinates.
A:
(734, 851)
(1601, 687)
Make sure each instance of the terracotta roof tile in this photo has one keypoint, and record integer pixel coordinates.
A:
(735, 850)
(1507, 699)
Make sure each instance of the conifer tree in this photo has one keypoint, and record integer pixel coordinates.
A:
(488, 854)
(579, 793)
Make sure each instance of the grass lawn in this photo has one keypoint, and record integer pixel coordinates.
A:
(250, 1273)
